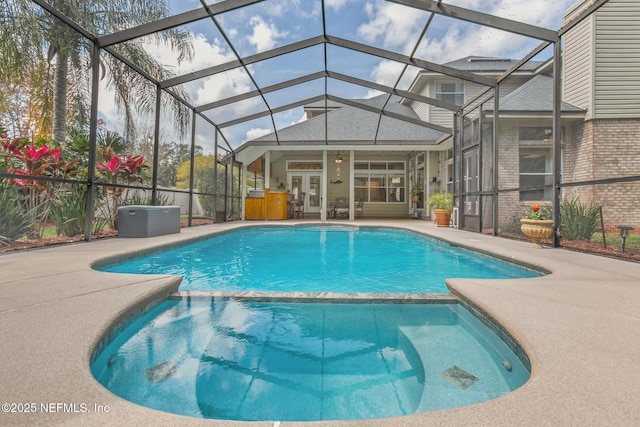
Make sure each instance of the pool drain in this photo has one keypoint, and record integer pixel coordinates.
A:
(459, 377)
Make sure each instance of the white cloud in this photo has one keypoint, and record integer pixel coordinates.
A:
(335, 4)
(385, 73)
(254, 133)
(206, 53)
(265, 35)
(542, 13)
(394, 24)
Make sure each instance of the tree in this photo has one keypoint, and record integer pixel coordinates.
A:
(30, 37)
(171, 157)
(202, 166)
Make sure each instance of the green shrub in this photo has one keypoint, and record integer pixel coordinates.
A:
(16, 222)
(68, 211)
(146, 199)
(578, 221)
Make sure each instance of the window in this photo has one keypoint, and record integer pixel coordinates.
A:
(381, 182)
(535, 134)
(536, 169)
(301, 165)
(450, 92)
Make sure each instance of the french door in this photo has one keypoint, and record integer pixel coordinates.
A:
(311, 184)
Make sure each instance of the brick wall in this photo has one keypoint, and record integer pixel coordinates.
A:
(616, 153)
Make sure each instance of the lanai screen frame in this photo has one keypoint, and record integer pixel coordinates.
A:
(104, 43)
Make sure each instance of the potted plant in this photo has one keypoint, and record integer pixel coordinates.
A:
(415, 194)
(442, 205)
(537, 225)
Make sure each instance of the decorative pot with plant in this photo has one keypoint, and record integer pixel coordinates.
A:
(415, 194)
(442, 205)
(537, 225)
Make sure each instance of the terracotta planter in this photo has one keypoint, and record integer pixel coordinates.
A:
(536, 229)
(442, 217)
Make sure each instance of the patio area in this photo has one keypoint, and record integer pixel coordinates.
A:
(578, 326)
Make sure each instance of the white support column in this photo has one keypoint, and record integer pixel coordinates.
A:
(244, 188)
(267, 169)
(323, 197)
(352, 204)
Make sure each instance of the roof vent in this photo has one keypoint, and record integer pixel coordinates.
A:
(480, 59)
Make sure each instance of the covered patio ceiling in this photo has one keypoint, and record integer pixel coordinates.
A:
(264, 86)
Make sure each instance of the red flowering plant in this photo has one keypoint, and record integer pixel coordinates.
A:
(41, 159)
(539, 213)
(121, 171)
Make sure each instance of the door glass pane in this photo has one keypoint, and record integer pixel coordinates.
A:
(378, 188)
(296, 185)
(314, 191)
(471, 181)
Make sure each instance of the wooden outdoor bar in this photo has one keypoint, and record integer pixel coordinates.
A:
(271, 206)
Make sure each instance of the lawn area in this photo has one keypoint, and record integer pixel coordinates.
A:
(614, 239)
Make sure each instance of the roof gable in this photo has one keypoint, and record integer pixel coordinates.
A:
(536, 95)
(352, 125)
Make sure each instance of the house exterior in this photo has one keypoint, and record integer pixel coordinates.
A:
(600, 125)
(406, 158)
(524, 143)
(601, 75)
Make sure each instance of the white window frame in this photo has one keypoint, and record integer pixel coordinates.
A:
(457, 94)
(388, 174)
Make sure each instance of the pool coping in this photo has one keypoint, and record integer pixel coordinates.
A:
(578, 326)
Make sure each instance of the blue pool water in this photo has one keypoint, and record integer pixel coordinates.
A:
(227, 359)
(320, 259)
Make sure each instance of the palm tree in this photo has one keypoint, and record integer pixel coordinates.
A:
(27, 32)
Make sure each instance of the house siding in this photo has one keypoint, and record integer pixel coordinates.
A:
(577, 69)
(421, 109)
(617, 60)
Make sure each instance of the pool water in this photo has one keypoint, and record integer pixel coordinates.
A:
(239, 360)
(320, 259)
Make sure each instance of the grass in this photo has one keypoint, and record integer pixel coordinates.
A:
(614, 239)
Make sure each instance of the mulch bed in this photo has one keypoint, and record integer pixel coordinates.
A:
(24, 244)
(613, 251)
(630, 254)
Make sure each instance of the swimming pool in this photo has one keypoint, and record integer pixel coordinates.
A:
(242, 360)
(320, 259)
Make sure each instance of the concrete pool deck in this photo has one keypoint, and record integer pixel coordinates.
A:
(580, 326)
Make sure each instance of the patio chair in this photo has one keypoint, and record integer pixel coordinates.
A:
(298, 206)
(359, 209)
(341, 207)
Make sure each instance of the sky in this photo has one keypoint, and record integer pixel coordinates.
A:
(382, 24)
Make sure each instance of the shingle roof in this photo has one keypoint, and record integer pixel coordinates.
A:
(536, 95)
(487, 64)
(352, 125)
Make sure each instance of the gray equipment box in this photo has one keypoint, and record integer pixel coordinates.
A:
(148, 221)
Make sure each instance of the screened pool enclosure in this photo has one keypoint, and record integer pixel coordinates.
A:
(195, 104)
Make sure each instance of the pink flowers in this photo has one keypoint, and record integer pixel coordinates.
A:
(129, 168)
(31, 152)
(30, 160)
